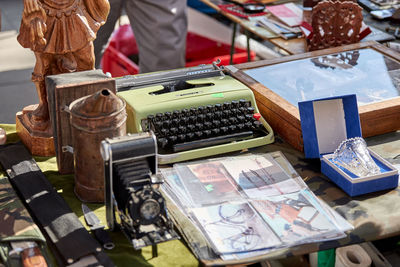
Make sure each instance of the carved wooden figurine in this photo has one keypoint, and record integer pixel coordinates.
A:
(61, 34)
(335, 24)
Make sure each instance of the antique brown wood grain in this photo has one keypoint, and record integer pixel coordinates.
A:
(376, 118)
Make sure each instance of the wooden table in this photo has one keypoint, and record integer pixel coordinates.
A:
(291, 46)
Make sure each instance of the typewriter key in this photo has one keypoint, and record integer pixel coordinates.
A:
(198, 134)
(182, 129)
(207, 125)
(232, 128)
(164, 132)
(249, 117)
(248, 125)
(166, 123)
(199, 126)
(257, 125)
(243, 103)
(201, 117)
(185, 112)
(168, 114)
(207, 133)
(250, 110)
(226, 105)
(158, 124)
(224, 122)
(216, 123)
(224, 129)
(176, 114)
(162, 142)
(215, 131)
(241, 118)
(257, 116)
(190, 136)
(192, 119)
(184, 120)
(232, 120)
(172, 138)
(182, 137)
(176, 121)
(193, 111)
(159, 116)
(174, 130)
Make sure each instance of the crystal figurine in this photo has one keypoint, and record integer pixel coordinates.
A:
(353, 155)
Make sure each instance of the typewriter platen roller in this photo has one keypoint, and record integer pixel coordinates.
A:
(194, 112)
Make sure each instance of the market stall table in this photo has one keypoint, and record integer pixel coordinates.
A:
(374, 216)
(295, 45)
(173, 253)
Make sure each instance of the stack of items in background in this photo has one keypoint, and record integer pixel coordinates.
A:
(247, 206)
(381, 9)
(283, 20)
(280, 20)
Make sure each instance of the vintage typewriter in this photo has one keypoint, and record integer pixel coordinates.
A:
(194, 112)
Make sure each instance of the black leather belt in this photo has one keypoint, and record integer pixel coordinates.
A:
(72, 242)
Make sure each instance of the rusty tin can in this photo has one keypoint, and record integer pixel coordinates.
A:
(94, 118)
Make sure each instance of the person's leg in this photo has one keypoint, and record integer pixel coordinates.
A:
(106, 30)
(160, 28)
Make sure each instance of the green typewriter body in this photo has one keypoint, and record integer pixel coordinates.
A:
(194, 115)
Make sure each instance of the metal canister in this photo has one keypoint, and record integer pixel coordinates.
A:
(94, 118)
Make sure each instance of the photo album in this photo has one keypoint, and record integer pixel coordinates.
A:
(249, 205)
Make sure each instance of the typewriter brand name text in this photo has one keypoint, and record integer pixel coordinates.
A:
(191, 93)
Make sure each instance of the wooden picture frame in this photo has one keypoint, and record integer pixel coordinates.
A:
(376, 118)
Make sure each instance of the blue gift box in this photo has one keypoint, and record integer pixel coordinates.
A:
(327, 122)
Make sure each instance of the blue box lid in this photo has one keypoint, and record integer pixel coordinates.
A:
(327, 122)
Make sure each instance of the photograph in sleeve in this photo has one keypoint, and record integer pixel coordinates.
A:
(294, 218)
(174, 187)
(207, 182)
(260, 177)
(233, 228)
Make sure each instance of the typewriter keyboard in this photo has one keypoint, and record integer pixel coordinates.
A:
(204, 126)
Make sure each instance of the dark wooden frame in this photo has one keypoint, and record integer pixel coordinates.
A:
(284, 118)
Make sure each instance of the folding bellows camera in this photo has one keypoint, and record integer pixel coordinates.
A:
(132, 202)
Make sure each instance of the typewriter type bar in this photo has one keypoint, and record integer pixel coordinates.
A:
(144, 80)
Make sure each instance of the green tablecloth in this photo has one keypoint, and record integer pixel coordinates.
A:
(374, 216)
(172, 253)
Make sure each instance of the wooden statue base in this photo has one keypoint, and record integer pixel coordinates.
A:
(39, 144)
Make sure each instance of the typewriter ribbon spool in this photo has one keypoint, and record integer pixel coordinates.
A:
(94, 118)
